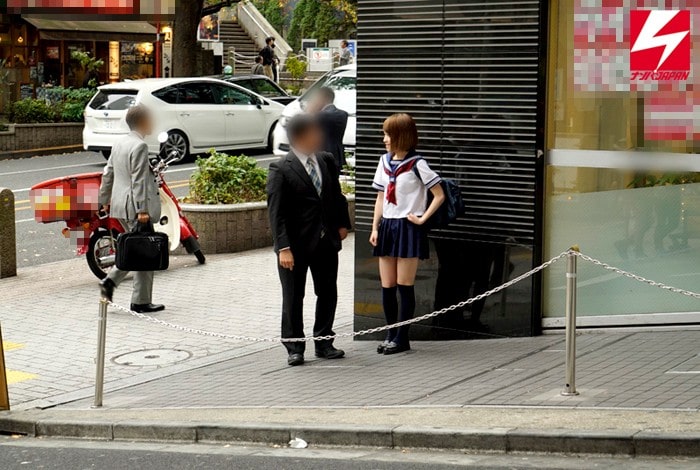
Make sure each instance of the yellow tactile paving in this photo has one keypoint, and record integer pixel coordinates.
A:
(15, 376)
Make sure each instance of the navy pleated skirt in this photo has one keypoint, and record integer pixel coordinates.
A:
(400, 238)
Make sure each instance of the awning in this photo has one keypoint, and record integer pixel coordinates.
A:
(57, 29)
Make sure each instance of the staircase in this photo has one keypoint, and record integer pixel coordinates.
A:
(233, 35)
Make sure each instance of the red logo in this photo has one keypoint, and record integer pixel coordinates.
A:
(660, 42)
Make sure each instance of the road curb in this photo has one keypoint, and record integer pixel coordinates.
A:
(501, 440)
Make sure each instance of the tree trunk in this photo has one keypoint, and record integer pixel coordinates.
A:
(185, 46)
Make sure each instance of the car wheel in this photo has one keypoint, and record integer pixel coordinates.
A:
(106, 153)
(177, 144)
(271, 138)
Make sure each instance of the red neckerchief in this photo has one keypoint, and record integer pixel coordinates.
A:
(404, 166)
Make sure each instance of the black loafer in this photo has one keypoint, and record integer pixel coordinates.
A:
(107, 289)
(330, 353)
(382, 347)
(147, 308)
(394, 348)
(295, 359)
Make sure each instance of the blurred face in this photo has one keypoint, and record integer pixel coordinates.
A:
(146, 126)
(310, 142)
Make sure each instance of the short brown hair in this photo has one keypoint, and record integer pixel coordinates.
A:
(402, 130)
(136, 116)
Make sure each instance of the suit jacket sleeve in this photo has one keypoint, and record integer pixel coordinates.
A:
(107, 183)
(340, 202)
(140, 172)
(276, 207)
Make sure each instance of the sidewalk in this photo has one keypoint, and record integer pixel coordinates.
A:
(640, 391)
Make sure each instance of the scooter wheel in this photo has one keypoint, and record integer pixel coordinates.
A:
(200, 256)
(101, 240)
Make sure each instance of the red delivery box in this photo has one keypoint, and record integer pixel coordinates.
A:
(66, 198)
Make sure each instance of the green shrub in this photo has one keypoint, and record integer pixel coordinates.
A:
(30, 111)
(227, 179)
(296, 67)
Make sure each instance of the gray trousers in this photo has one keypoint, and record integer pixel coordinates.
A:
(143, 280)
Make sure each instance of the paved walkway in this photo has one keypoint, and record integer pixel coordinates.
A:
(48, 317)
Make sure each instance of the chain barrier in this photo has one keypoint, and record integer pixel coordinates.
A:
(436, 313)
(352, 334)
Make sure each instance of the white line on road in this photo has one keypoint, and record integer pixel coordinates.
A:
(44, 169)
(23, 221)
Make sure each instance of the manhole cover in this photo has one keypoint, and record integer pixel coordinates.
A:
(152, 357)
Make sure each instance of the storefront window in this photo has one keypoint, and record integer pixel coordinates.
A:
(622, 163)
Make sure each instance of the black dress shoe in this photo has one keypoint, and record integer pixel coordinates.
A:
(394, 348)
(295, 359)
(147, 308)
(107, 289)
(330, 353)
(382, 347)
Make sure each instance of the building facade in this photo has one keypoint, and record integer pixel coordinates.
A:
(555, 140)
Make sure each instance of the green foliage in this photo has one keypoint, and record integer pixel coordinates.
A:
(227, 179)
(273, 11)
(30, 110)
(327, 23)
(296, 67)
(89, 64)
(56, 104)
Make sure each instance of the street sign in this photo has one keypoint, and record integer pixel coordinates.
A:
(320, 59)
(307, 44)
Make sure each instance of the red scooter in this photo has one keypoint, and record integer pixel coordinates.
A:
(74, 199)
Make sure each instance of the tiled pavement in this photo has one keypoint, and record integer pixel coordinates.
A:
(240, 294)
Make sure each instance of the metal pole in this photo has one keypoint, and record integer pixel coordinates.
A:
(100, 360)
(570, 385)
(4, 397)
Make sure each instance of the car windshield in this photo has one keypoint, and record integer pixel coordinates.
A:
(344, 85)
(114, 100)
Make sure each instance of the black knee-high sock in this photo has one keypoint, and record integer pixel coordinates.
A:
(391, 310)
(408, 308)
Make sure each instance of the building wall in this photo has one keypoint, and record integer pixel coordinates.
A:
(470, 73)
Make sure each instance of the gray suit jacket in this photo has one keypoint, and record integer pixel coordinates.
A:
(128, 184)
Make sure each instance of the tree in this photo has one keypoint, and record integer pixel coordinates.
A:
(294, 36)
(188, 14)
(327, 24)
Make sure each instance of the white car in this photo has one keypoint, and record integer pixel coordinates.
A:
(343, 81)
(197, 113)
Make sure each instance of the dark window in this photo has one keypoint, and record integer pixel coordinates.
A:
(114, 100)
(266, 88)
(197, 93)
(232, 95)
(168, 94)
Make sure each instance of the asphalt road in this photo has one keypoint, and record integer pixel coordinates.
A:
(43, 243)
(47, 454)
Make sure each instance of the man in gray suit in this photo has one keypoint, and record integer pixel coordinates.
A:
(130, 192)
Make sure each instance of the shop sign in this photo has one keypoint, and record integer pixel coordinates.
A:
(660, 44)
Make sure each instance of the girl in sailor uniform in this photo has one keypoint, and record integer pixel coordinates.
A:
(403, 179)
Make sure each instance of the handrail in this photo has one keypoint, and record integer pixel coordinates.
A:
(255, 24)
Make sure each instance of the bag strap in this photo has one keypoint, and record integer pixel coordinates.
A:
(144, 228)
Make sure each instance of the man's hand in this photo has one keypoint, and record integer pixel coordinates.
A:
(287, 259)
(343, 232)
(144, 218)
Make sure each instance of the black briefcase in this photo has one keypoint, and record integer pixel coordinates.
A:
(142, 249)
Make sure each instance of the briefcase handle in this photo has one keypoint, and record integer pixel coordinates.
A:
(143, 228)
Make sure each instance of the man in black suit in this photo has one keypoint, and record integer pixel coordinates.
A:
(333, 121)
(309, 220)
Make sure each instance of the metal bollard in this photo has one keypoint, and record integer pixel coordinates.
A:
(570, 385)
(4, 396)
(8, 244)
(100, 360)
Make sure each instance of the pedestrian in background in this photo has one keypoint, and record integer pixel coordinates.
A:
(309, 220)
(403, 179)
(275, 63)
(267, 55)
(129, 192)
(333, 122)
(258, 68)
(346, 56)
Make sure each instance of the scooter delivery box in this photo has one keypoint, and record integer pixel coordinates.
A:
(66, 198)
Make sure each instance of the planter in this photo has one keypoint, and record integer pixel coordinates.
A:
(236, 227)
(21, 140)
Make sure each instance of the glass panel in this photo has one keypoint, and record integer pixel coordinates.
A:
(645, 223)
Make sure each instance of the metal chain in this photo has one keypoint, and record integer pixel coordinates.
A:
(252, 339)
(636, 277)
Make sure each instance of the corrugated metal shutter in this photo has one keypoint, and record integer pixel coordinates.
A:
(468, 71)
